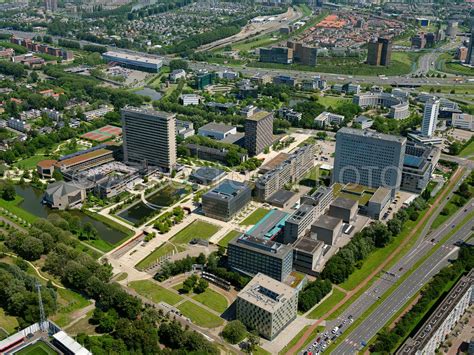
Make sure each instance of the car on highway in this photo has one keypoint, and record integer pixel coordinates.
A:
(335, 329)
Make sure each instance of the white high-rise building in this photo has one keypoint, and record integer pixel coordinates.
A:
(430, 118)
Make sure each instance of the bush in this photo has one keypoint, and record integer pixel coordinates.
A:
(234, 332)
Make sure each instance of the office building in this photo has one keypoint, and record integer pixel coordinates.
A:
(177, 74)
(344, 208)
(418, 166)
(378, 202)
(430, 118)
(45, 168)
(308, 254)
(258, 132)
(184, 129)
(267, 306)
(85, 159)
(270, 227)
(212, 154)
(283, 199)
(324, 119)
(279, 55)
(189, 99)
(226, 199)
(217, 131)
(463, 121)
(379, 52)
(398, 105)
(204, 79)
(206, 175)
(317, 83)
(327, 229)
(64, 195)
(284, 80)
(289, 171)
(290, 114)
(470, 51)
(147, 64)
(434, 330)
(250, 256)
(347, 88)
(368, 158)
(149, 137)
(299, 223)
(302, 54)
(51, 5)
(418, 41)
(364, 122)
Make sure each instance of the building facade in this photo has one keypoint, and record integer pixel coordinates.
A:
(430, 118)
(258, 132)
(379, 52)
(368, 158)
(279, 55)
(267, 306)
(142, 63)
(149, 136)
(226, 199)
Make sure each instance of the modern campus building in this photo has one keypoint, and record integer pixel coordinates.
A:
(463, 121)
(442, 321)
(470, 52)
(204, 79)
(378, 202)
(379, 52)
(343, 208)
(136, 62)
(289, 171)
(85, 159)
(258, 132)
(279, 55)
(302, 54)
(267, 306)
(368, 158)
(327, 118)
(64, 195)
(327, 229)
(399, 107)
(308, 254)
(45, 168)
(206, 175)
(430, 118)
(225, 200)
(418, 165)
(217, 131)
(149, 137)
(250, 255)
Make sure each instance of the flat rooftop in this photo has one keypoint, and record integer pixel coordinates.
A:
(217, 127)
(280, 197)
(227, 189)
(308, 245)
(83, 157)
(268, 226)
(342, 202)
(258, 116)
(371, 134)
(263, 246)
(300, 213)
(138, 58)
(150, 112)
(275, 162)
(380, 195)
(327, 222)
(208, 173)
(267, 293)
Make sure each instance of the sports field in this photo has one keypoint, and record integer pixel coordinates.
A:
(38, 348)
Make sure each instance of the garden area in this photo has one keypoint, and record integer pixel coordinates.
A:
(155, 292)
(255, 217)
(199, 315)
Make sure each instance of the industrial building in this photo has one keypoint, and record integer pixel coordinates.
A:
(434, 330)
(149, 137)
(225, 200)
(267, 306)
(258, 132)
(136, 62)
(289, 171)
(369, 158)
(250, 255)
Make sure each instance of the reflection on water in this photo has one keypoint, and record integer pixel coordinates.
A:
(32, 203)
(152, 94)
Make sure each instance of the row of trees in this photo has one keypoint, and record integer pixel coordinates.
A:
(377, 235)
(169, 269)
(313, 293)
(389, 339)
(194, 284)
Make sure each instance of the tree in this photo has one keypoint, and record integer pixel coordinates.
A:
(253, 340)
(201, 286)
(8, 192)
(234, 332)
(232, 158)
(178, 64)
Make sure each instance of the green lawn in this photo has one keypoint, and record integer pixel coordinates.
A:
(213, 300)
(38, 348)
(260, 351)
(68, 303)
(12, 206)
(155, 255)
(29, 163)
(468, 151)
(155, 292)
(327, 304)
(293, 341)
(8, 323)
(332, 101)
(197, 229)
(228, 237)
(199, 315)
(256, 216)
(83, 326)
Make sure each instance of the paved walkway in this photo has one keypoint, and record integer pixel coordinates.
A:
(364, 283)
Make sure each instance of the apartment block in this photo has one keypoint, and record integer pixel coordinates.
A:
(267, 306)
(149, 137)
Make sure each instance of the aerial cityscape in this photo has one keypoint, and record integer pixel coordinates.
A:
(236, 176)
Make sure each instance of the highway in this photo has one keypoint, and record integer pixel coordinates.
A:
(387, 279)
(413, 283)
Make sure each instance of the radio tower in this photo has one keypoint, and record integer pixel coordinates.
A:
(41, 308)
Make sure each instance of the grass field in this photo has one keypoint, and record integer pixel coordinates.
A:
(8, 323)
(155, 255)
(199, 315)
(29, 163)
(260, 351)
(332, 101)
(213, 300)
(468, 151)
(12, 206)
(68, 303)
(228, 237)
(38, 348)
(197, 229)
(83, 326)
(256, 216)
(155, 292)
(327, 304)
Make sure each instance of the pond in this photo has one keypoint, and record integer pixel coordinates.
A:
(31, 203)
(164, 197)
(151, 93)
